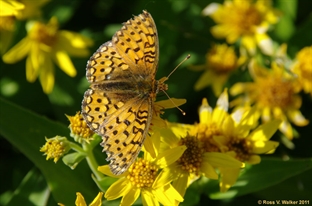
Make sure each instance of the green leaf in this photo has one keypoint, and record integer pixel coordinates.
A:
(26, 131)
(258, 177)
(73, 159)
(288, 7)
(286, 26)
(104, 183)
(33, 190)
(192, 196)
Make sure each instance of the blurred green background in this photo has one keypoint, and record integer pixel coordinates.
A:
(182, 30)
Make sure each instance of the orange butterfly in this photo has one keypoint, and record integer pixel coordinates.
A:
(119, 104)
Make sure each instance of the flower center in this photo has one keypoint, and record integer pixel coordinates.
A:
(142, 173)
(191, 159)
(55, 148)
(241, 147)
(276, 93)
(245, 17)
(44, 34)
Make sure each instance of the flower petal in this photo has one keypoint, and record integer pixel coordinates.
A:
(208, 170)
(119, 188)
(149, 146)
(203, 81)
(131, 196)
(167, 195)
(205, 112)
(254, 159)
(31, 72)
(238, 88)
(249, 43)
(169, 156)
(106, 171)
(266, 114)
(221, 160)
(80, 201)
(166, 176)
(64, 62)
(228, 126)
(10, 8)
(97, 200)
(265, 132)
(148, 198)
(180, 184)
(18, 52)
(47, 75)
(266, 147)
(297, 118)
(74, 43)
(223, 100)
(210, 9)
(221, 31)
(218, 116)
(265, 43)
(228, 178)
(286, 129)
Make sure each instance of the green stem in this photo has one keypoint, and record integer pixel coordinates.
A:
(92, 161)
(76, 147)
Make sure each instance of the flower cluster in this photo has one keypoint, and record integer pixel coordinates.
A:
(217, 147)
(277, 80)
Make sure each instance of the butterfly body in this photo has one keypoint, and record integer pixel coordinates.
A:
(119, 103)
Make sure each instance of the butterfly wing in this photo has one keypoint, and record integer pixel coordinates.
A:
(137, 42)
(132, 52)
(123, 124)
(118, 106)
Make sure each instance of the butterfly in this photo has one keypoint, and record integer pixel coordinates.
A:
(119, 103)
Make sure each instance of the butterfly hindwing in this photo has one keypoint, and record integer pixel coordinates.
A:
(125, 134)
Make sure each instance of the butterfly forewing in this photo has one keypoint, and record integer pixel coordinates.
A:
(137, 41)
(118, 105)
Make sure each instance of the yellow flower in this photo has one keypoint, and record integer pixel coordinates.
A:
(145, 177)
(55, 148)
(44, 44)
(203, 156)
(246, 20)
(212, 126)
(10, 7)
(79, 129)
(221, 61)
(230, 134)
(243, 144)
(221, 141)
(80, 201)
(195, 161)
(275, 96)
(303, 68)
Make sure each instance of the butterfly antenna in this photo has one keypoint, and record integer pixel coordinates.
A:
(174, 103)
(167, 77)
(186, 58)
